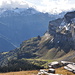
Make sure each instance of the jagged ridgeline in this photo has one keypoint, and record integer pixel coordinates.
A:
(58, 42)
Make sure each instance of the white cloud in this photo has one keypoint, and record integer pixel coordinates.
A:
(13, 4)
(55, 6)
(51, 6)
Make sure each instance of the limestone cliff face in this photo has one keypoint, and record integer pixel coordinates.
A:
(63, 31)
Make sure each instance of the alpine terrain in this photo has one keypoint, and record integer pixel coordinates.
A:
(57, 43)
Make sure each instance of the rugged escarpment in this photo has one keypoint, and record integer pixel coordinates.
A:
(59, 39)
(63, 33)
(57, 43)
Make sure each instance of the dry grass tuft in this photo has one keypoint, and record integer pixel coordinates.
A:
(34, 72)
(63, 71)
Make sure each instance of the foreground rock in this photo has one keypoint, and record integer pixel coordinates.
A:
(70, 66)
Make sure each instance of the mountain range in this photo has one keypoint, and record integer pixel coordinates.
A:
(19, 24)
(57, 43)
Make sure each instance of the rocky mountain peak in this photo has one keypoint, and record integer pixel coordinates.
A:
(69, 16)
(63, 24)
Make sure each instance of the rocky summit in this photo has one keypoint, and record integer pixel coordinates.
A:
(58, 42)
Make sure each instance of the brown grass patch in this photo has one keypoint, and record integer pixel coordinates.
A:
(63, 71)
(34, 72)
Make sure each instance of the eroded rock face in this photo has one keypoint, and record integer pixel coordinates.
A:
(63, 31)
(53, 25)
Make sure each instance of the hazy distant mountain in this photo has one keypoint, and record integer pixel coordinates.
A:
(20, 24)
(5, 43)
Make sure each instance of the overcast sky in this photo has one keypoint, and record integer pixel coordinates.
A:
(50, 6)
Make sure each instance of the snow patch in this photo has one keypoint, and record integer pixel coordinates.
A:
(66, 27)
(73, 20)
(52, 39)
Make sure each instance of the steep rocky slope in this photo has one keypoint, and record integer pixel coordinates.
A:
(58, 41)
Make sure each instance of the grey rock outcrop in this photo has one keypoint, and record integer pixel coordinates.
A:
(63, 31)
